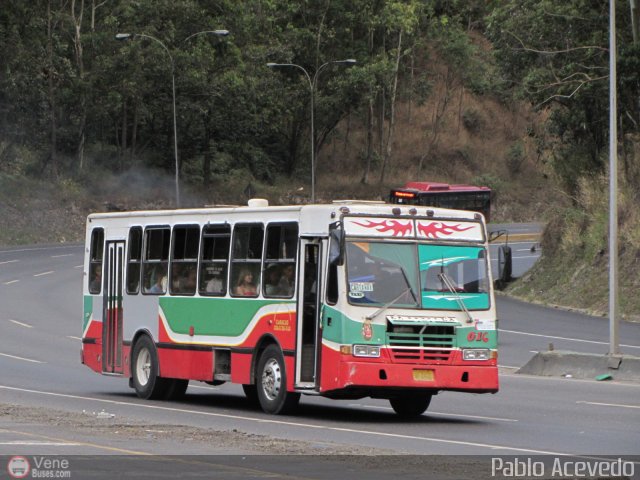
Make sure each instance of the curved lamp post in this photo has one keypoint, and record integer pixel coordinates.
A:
(132, 36)
(312, 87)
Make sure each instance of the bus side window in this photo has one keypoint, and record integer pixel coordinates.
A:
(214, 259)
(184, 259)
(95, 261)
(280, 260)
(155, 260)
(134, 260)
(246, 259)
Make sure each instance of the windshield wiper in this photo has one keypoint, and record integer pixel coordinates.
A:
(449, 284)
(392, 302)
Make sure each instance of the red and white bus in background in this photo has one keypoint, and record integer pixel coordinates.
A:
(345, 300)
(433, 194)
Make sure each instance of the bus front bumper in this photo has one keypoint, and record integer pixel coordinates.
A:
(467, 378)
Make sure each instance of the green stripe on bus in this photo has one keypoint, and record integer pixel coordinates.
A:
(213, 316)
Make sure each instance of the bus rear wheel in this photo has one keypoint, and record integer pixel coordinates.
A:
(144, 370)
(410, 405)
(271, 382)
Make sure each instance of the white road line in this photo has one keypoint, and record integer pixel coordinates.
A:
(21, 358)
(294, 424)
(73, 338)
(563, 338)
(60, 256)
(26, 325)
(9, 261)
(78, 266)
(608, 404)
(39, 444)
(43, 273)
(377, 407)
(10, 282)
(37, 249)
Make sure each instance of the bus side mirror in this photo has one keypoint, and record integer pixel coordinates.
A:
(336, 247)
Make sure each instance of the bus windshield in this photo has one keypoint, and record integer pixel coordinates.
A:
(447, 277)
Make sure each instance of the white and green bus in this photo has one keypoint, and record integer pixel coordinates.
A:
(345, 300)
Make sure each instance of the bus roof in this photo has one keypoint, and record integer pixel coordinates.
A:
(442, 187)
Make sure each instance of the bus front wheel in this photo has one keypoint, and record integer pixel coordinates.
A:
(144, 370)
(410, 405)
(271, 380)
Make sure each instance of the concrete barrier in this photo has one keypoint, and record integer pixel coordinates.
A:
(583, 365)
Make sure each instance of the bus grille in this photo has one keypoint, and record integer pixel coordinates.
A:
(432, 345)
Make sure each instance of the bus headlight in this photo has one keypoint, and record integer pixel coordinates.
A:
(476, 354)
(372, 351)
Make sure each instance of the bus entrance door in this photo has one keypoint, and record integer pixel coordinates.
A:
(112, 308)
(307, 347)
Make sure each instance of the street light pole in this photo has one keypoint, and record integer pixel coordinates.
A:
(131, 36)
(312, 87)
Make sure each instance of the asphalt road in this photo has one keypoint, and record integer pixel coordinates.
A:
(40, 319)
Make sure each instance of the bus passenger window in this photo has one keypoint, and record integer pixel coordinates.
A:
(134, 260)
(95, 261)
(156, 260)
(214, 259)
(280, 260)
(246, 259)
(184, 259)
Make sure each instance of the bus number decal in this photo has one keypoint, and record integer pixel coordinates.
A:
(478, 337)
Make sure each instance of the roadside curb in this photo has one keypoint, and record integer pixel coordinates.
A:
(583, 365)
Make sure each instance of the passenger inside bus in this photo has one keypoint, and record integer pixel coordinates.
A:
(96, 282)
(287, 280)
(215, 284)
(245, 286)
(160, 283)
(272, 281)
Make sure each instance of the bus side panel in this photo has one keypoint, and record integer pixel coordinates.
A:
(185, 363)
(330, 372)
(241, 367)
(92, 332)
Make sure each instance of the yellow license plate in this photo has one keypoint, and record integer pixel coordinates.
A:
(423, 375)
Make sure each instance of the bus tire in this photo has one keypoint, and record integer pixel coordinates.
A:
(144, 370)
(271, 382)
(410, 405)
(176, 388)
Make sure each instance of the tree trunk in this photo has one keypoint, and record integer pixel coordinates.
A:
(370, 126)
(392, 111)
(77, 45)
(53, 126)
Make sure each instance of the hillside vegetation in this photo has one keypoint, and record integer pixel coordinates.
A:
(510, 94)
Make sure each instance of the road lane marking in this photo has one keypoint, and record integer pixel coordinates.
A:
(26, 325)
(40, 443)
(608, 404)
(10, 282)
(21, 358)
(9, 261)
(81, 444)
(60, 256)
(44, 273)
(563, 338)
(73, 338)
(379, 407)
(78, 266)
(293, 424)
(37, 249)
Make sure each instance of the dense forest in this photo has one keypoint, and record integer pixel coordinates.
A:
(79, 99)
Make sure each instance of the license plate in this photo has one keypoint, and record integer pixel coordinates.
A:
(423, 375)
